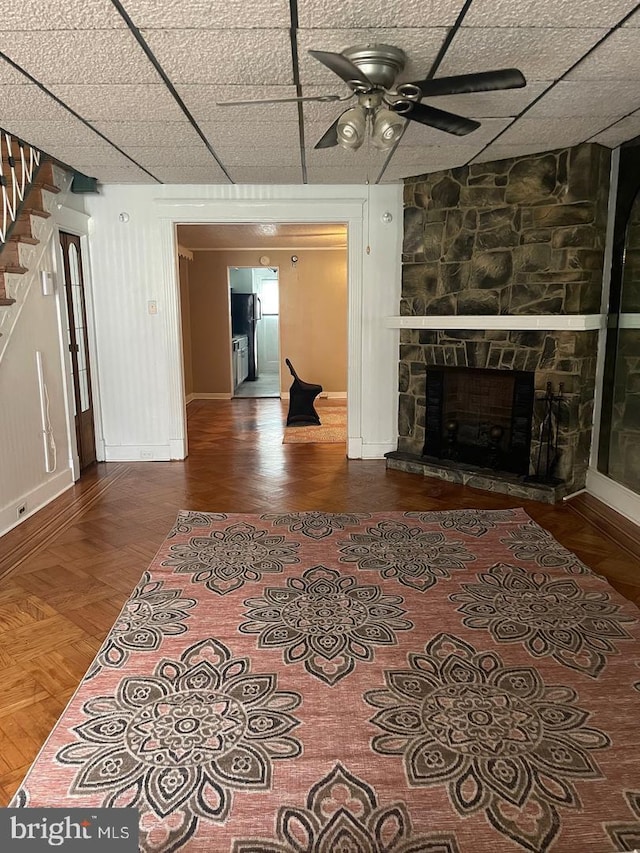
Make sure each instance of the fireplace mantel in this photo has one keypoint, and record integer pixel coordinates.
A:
(508, 322)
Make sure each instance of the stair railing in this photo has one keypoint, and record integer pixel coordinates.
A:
(18, 165)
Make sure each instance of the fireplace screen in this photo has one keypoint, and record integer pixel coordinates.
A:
(480, 417)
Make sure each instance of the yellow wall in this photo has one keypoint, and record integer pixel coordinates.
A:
(186, 325)
(313, 316)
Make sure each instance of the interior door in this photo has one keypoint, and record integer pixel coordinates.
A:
(79, 349)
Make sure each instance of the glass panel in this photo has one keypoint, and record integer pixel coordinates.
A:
(620, 424)
(268, 291)
(84, 390)
(73, 265)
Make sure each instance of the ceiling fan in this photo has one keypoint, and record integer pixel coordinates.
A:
(370, 72)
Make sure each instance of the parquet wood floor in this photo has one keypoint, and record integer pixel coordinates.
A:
(66, 572)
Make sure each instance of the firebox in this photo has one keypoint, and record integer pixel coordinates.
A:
(480, 417)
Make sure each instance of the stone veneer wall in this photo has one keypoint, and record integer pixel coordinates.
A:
(519, 236)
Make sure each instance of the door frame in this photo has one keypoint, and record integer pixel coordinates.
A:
(77, 223)
(350, 212)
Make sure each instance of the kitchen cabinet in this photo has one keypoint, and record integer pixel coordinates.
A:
(240, 359)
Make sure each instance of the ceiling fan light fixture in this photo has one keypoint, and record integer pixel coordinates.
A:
(351, 128)
(386, 130)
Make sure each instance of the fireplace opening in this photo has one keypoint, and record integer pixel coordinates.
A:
(480, 417)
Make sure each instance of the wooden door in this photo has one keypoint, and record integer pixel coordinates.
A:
(79, 349)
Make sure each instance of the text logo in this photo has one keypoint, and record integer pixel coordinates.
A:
(34, 830)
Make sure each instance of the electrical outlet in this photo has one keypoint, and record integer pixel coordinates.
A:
(146, 454)
(21, 510)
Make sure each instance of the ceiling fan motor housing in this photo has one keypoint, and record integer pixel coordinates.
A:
(380, 63)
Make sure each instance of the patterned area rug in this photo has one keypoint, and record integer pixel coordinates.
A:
(450, 682)
(333, 428)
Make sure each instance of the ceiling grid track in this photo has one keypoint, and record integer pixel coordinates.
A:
(434, 67)
(76, 115)
(594, 47)
(293, 36)
(165, 79)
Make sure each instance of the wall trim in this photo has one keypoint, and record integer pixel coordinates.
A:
(222, 395)
(350, 211)
(614, 495)
(35, 500)
(139, 452)
(516, 322)
(377, 451)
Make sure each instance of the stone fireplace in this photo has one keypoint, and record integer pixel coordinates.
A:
(502, 271)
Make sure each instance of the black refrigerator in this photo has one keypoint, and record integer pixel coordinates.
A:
(246, 311)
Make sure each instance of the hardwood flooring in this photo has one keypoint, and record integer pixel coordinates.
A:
(66, 572)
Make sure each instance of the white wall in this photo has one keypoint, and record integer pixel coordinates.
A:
(133, 262)
(32, 325)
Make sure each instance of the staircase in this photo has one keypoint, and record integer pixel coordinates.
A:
(25, 174)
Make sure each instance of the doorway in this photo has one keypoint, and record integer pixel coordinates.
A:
(255, 325)
(77, 341)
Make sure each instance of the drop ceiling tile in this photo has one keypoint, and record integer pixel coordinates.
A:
(93, 56)
(555, 132)
(83, 157)
(364, 165)
(420, 45)
(223, 56)
(322, 14)
(339, 175)
(419, 134)
(122, 175)
(433, 158)
(508, 102)
(497, 151)
(10, 76)
(634, 20)
(153, 134)
(276, 175)
(235, 143)
(147, 102)
(177, 174)
(201, 101)
(26, 100)
(540, 53)
(587, 98)
(618, 58)
(204, 14)
(627, 128)
(46, 135)
(266, 157)
(56, 15)
(150, 157)
(547, 13)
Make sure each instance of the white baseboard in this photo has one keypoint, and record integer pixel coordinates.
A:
(614, 495)
(377, 451)
(208, 396)
(35, 500)
(138, 453)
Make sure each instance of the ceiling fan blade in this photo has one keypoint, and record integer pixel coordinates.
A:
(343, 67)
(482, 81)
(439, 119)
(330, 137)
(324, 98)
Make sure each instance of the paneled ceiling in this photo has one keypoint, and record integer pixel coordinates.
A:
(267, 235)
(127, 90)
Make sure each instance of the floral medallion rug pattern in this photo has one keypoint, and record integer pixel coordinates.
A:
(309, 682)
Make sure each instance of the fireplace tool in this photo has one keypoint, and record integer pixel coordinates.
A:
(548, 436)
